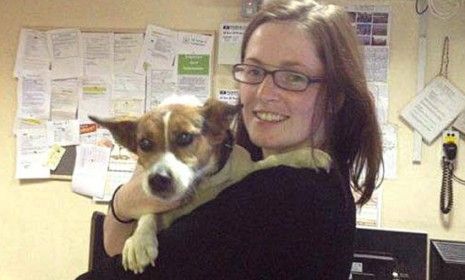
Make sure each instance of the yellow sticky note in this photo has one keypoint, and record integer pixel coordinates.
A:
(30, 121)
(55, 154)
(94, 90)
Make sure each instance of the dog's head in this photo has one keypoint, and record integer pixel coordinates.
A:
(176, 143)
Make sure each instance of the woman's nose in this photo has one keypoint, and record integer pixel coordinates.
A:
(267, 89)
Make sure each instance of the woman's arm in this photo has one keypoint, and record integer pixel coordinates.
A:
(115, 233)
(130, 202)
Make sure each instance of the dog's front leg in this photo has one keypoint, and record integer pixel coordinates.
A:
(141, 248)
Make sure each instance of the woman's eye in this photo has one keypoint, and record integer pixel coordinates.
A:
(145, 144)
(295, 78)
(184, 139)
(253, 72)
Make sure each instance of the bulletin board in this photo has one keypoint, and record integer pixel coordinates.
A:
(74, 72)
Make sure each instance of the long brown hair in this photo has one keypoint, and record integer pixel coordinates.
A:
(352, 132)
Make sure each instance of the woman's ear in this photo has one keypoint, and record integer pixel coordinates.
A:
(124, 130)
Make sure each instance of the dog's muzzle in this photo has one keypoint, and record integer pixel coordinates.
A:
(169, 178)
(160, 183)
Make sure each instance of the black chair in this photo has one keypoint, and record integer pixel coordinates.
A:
(96, 248)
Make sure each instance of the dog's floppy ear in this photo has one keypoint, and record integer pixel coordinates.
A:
(218, 117)
(122, 129)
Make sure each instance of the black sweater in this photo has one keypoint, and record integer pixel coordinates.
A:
(279, 223)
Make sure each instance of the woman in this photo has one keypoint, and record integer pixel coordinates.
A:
(302, 84)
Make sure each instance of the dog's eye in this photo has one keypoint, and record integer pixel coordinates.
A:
(184, 139)
(145, 144)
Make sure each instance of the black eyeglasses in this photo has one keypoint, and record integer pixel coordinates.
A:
(285, 79)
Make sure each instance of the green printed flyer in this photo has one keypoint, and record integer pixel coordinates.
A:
(193, 64)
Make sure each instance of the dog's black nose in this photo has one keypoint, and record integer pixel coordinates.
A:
(160, 183)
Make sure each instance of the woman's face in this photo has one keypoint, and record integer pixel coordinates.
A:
(276, 119)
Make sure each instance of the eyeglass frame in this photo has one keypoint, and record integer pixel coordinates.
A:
(310, 80)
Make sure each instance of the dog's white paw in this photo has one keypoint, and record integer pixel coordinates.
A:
(139, 251)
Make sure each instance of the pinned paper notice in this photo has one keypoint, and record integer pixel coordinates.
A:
(34, 96)
(65, 48)
(370, 214)
(434, 108)
(90, 170)
(64, 133)
(95, 98)
(389, 166)
(32, 55)
(31, 153)
(229, 49)
(230, 96)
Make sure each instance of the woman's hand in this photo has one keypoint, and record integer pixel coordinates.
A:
(131, 201)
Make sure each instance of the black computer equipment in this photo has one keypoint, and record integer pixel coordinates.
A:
(385, 254)
(447, 260)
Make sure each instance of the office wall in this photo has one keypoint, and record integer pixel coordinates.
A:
(44, 230)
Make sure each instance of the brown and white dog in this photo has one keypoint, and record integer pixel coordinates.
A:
(177, 144)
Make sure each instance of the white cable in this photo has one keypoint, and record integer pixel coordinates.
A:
(445, 9)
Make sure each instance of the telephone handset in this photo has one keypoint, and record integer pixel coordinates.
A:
(449, 146)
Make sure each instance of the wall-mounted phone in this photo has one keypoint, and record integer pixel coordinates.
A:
(450, 142)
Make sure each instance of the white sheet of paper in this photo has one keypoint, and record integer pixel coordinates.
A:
(128, 47)
(65, 96)
(34, 96)
(63, 133)
(160, 84)
(230, 41)
(98, 52)
(230, 96)
(95, 98)
(158, 50)
(194, 43)
(389, 132)
(129, 85)
(65, 49)
(31, 153)
(28, 123)
(32, 55)
(90, 170)
(127, 107)
(370, 214)
(434, 108)
(376, 63)
(128, 95)
(120, 169)
(381, 97)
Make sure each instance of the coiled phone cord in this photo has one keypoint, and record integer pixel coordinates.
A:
(447, 199)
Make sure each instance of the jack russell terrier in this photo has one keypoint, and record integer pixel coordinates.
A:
(187, 153)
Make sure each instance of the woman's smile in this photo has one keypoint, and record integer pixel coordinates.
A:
(270, 116)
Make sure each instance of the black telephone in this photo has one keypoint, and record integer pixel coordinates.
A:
(449, 147)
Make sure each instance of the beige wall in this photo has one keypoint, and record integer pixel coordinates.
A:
(44, 231)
